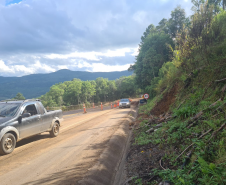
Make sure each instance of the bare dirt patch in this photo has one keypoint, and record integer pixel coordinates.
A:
(164, 104)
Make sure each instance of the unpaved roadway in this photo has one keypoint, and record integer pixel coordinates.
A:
(87, 151)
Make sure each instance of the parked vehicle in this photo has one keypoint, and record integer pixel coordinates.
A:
(124, 103)
(142, 101)
(24, 118)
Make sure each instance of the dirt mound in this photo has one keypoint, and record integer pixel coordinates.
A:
(168, 99)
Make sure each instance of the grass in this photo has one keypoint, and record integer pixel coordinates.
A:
(207, 164)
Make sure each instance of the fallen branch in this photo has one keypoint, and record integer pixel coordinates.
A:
(151, 178)
(222, 93)
(150, 130)
(198, 116)
(216, 115)
(189, 126)
(210, 83)
(215, 132)
(160, 161)
(184, 151)
(193, 143)
(155, 127)
(180, 104)
(215, 103)
(219, 107)
(205, 133)
(220, 80)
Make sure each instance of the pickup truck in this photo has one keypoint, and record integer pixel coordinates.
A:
(24, 118)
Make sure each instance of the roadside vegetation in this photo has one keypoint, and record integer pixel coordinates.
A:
(180, 135)
(75, 92)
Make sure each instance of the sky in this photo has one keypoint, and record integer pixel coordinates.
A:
(43, 36)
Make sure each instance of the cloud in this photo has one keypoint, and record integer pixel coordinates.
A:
(56, 33)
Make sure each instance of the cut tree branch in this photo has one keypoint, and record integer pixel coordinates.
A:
(215, 132)
(160, 161)
(220, 80)
(193, 143)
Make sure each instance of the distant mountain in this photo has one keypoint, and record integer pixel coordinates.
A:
(35, 85)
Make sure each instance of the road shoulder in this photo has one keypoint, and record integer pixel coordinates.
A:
(110, 167)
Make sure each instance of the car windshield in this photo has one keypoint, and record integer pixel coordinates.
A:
(8, 109)
(124, 100)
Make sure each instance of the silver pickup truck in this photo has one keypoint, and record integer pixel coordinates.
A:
(24, 118)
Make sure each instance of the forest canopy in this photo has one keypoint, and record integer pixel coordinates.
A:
(75, 92)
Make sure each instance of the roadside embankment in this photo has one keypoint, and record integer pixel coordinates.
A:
(109, 167)
(179, 136)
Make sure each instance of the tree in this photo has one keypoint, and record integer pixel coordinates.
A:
(154, 52)
(111, 90)
(19, 96)
(87, 91)
(101, 88)
(177, 21)
(197, 5)
(223, 4)
(149, 29)
(162, 26)
(56, 93)
(72, 92)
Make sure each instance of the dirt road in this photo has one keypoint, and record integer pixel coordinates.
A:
(87, 151)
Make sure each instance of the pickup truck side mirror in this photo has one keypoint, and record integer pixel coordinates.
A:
(25, 115)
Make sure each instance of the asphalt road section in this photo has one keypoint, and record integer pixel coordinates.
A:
(87, 151)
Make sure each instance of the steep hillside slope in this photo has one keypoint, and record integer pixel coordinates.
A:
(35, 85)
(180, 135)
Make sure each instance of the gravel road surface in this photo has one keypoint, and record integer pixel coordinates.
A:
(74, 156)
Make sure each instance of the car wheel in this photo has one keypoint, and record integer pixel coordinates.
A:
(55, 130)
(8, 143)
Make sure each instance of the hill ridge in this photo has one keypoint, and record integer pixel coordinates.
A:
(35, 85)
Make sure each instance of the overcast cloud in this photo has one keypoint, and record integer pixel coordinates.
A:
(42, 36)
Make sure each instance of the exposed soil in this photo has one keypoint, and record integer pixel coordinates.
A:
(142, 159)
(164, 104)
(135, 103)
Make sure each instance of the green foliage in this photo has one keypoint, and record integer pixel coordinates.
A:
(138, 181)
(198, 61)
(101, 90)
(152, 55)
(19, 96)
(185, 112)
(177, 21)
(142, 139)
(210, 174)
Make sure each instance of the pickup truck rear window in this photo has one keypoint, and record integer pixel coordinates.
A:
(8, 109)
(30, 109)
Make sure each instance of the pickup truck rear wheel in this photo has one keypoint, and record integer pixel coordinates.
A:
(55, 130)
(7, 144)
